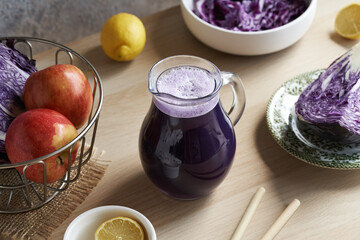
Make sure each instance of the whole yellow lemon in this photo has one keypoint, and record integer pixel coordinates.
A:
(123, 37)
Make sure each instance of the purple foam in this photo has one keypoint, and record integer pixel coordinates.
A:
(189, 92)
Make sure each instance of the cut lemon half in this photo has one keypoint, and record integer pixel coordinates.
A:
(347, 21)
(120, 228)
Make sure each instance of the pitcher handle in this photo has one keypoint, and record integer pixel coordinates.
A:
(237, 88)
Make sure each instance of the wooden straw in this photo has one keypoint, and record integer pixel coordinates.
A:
(248, 214)
(281, 220)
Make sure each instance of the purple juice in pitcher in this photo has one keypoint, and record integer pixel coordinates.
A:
(187, 142)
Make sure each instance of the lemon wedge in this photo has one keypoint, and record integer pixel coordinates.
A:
(120, 228)
(347, 21)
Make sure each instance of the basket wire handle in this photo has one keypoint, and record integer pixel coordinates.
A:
(27, 185)
(90, 73)
(28, 44)
(67, 52)
(81, 148)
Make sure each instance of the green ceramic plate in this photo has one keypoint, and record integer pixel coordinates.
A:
(303, 144)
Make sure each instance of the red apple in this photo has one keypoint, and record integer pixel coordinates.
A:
(36, 133)
(63, 88)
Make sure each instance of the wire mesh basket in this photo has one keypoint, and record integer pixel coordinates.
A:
(17, 192)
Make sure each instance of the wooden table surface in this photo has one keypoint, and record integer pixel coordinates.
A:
(330, 199)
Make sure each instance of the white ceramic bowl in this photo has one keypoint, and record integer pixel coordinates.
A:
(248, 43)
(85, 225)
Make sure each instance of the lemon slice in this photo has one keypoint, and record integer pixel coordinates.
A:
(123, 37)
(347, 21)
(120, 228)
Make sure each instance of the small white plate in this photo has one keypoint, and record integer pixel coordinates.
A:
(305, 145)
(85, 225)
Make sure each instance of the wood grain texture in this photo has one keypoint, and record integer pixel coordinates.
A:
(330, 198)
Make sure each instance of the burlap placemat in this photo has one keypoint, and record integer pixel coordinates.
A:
(41, 222)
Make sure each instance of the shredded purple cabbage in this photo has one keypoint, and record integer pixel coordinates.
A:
(333, 100)
(249, 15)
(15, 68)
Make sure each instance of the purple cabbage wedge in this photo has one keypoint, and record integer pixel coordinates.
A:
(15, 68)
(249, 15)
(330, 106)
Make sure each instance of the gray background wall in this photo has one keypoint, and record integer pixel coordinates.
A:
(63, 21)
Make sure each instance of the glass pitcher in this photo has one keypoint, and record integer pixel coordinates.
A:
(187, 141)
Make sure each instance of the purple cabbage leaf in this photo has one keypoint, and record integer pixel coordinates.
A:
(15, 68)
(331, 104)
